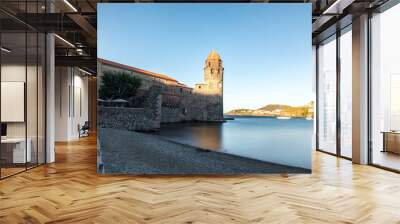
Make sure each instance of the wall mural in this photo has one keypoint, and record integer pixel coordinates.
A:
(204, 88)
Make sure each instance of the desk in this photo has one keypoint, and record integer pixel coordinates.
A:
(16, 147)
(391, 141)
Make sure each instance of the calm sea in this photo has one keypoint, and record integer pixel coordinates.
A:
(265, 138)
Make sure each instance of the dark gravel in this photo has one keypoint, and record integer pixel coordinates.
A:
(127, 152)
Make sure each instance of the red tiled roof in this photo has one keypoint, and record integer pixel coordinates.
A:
(183, 85)
(138, 70)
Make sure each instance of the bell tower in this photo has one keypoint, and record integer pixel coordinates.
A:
(214, 74)
(211, 92)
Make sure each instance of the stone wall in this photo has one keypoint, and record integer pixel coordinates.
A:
(191, 107)
(171, 115)
(132, 119)
(147, 118)
(194, 107)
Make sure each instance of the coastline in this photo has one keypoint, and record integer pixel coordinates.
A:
(252, 115)
(127, 152)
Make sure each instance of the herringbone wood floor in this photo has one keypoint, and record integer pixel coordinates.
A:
(70, 191)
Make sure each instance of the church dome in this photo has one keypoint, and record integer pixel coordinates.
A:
(213, 56)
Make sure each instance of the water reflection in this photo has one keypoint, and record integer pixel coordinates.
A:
(281, 141)
(203, 135)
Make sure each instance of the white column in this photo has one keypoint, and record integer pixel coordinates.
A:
(360, 90)
(50, 92)
(50, 99)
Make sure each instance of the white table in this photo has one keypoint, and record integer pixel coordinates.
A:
(20, 155)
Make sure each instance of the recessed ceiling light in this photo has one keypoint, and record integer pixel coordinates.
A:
(70, 5)
(338, 6)
(64, 40)
(86, 72)
(5, 50)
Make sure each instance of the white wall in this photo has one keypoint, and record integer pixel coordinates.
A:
(62, 82)
(13, 100)
(33, 126)
(80, 112)
(12, 73)
(71, 102)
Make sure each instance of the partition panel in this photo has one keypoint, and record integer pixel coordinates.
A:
(346, 93)
(32, 97)
(385, 89)
(15, 149)
(327, 95)
(23, 88)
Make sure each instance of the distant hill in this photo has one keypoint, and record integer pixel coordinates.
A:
(277, 110)
(272, 107)
(240, 111)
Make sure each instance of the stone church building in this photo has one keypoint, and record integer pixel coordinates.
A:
(175, 101)
(213, 85)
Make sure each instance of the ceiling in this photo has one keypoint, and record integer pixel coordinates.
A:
(75, 22)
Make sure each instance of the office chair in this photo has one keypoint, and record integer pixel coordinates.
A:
(84, 130)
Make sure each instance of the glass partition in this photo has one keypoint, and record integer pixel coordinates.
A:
(31, 97)
(327, 95)
(385, 89)
(346, 93)
(41, 97)
(22, 77)
(14, 153)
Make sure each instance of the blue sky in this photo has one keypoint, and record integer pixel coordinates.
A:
(265, 48)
